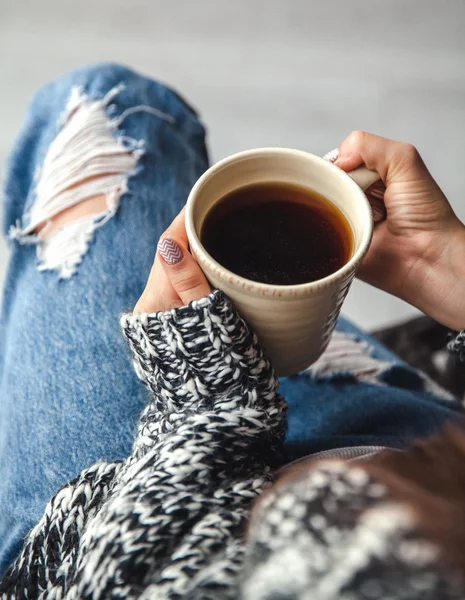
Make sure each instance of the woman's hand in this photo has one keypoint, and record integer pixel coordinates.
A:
(418, 252)
(175, 279)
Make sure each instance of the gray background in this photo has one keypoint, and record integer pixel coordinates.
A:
(298, 73)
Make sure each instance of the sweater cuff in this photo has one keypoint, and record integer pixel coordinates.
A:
(199, 352)
(457, 345)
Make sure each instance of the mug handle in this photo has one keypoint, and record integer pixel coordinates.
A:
(364, 177)
(371, 184)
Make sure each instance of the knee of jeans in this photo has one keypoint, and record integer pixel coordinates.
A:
(100, 78)
(95, 79)
(84, 174)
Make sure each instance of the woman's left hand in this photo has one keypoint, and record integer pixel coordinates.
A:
(175, 278)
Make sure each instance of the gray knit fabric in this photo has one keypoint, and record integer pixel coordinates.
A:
(170, 521)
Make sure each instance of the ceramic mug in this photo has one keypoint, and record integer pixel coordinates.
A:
(293, 323)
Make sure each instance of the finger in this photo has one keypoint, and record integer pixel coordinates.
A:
(180, 266)
(159, 294)
(392, 160)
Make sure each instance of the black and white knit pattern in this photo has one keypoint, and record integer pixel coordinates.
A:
(333, 534)
(457, 345)
(170, 521)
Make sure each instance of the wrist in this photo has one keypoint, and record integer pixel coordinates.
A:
(436, 281)
(192, 356)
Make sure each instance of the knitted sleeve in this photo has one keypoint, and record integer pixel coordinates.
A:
(172, 518)
(50, 550)
(199, 361)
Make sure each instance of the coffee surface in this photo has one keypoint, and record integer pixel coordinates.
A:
(277, 234)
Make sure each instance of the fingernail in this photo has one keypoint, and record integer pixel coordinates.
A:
(170, 252)
(332, 155)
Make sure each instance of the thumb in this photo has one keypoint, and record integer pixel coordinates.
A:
(182, 270)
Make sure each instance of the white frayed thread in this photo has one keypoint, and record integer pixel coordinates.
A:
(63, 250)
(85, 148)
(346, 354)
(83, 161)
(147, 109)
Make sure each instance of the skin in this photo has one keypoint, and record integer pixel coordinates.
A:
(417, 253)
(171, 286)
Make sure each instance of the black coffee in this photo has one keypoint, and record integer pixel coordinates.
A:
(277, 234)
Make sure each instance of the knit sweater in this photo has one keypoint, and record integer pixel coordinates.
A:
(170, 521)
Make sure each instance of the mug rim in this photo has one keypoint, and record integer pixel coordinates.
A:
(265, 289)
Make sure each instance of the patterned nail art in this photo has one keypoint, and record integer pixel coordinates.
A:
(170, 252)
(332, 155)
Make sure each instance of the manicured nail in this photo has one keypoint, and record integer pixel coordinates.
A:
(332, 156)
(170, 252)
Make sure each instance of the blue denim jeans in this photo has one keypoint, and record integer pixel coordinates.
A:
(68, 394)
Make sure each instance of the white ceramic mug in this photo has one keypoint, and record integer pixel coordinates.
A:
(293, 322)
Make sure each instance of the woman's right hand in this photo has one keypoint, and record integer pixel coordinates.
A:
(418, 252)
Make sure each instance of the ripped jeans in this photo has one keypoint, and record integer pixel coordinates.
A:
(68, 394)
